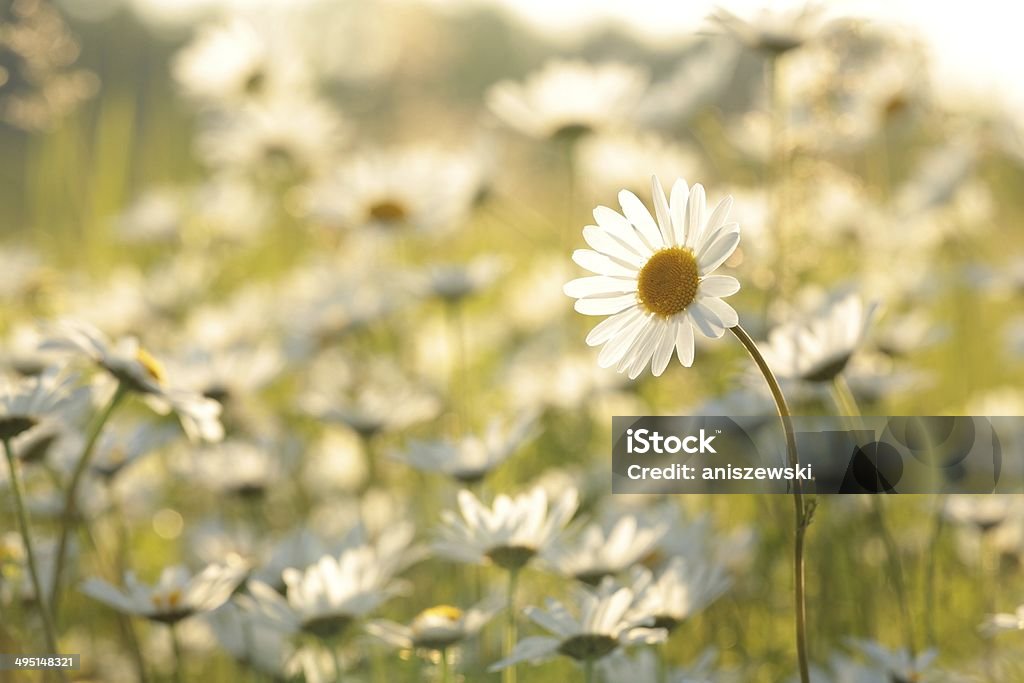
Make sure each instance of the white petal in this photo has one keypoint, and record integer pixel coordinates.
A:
(598, 285)
(684, 342)
(606, 329)
(612, 352)
(641, 219)
(663, 354)
(706, 320)
(718, 216)
(726, 313)
(662, 212)
(694, 215)
(717, 250)
(600, 264)
(677, 207)
(605, 243)
(639, 354)
(605, 305)
(616, 225)
(718, 285)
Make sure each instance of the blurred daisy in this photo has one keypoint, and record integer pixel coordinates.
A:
(472, 457)
(249, 640)
(682, 589)
(654, 278)
(818, 348)
(567, 99)
(232, 61)
(327, 597)
(285, 137)
(436, 628)
(176, 595)
(119, 447)
(138, 371)
(617, 159)
(604, 625)
(422, 188)
(900, 665)
(510, 533)
(603, 550)
(643, 667)
(452, 283)
(1003, 621)
(25, 402)
(984, 513)
(773, 32)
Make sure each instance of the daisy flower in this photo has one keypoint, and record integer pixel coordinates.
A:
(138, 371)
(654, 277)
(568, 98)
(817, 349)
(25, 402)
(435, 628)
(683, 588)
(773, 32)
(327, 597)
(471, 458)
(510, 533)
(603, 550)
(604, 625)
(900, 665)
(177, 594)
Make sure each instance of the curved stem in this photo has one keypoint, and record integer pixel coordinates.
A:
(509, 673)
(26, 536)
(803, 512)
(68, 520)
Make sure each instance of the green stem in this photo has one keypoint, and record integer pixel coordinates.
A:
(446, 672)
(68, 520)
(509, 673)
(847, 404)
(588, 671)
(179, 659)
(26, 536)
(803, 512)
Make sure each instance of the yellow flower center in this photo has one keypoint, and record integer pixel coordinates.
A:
(151, 365)
(388, 211)
(668, 281)
(167, 602)
(441, 612)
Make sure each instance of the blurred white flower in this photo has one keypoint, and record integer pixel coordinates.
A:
(177, 594)
(137, 370)
(327, 597)
(249, 640)
(569, 98)
(27, 401)
(421, 188)
(682, 589)
(602, 550)
(436, 628)
(510, 533)
(995, 623)
(284, 137)
(603, 626)
(233, 60)
(900, 665)
(643, 667)
(619, 159)
(471, 458)
(705, 72)
(983, 512)
(818, 348)
(772, 31)
(654, 278)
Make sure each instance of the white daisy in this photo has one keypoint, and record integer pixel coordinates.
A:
(567, 99)
(818, 348)
(772, 31)
(327, 597)
(436, 628)
(603, 626)
(683, 588)
(472, 457)
(654, 278)
(603, 550)
(900, 665)
(510, 533)
(177, 594)
(25, 402)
